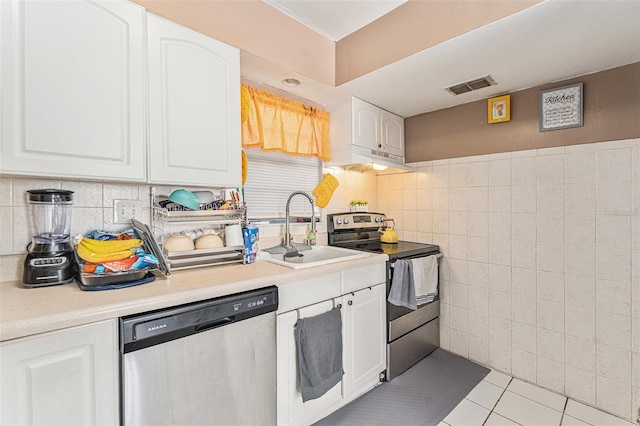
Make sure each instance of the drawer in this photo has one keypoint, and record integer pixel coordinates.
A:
(359, 278)
(307, 292)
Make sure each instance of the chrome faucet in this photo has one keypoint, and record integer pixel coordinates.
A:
(287, 235)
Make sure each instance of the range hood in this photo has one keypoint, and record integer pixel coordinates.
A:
(361, 159)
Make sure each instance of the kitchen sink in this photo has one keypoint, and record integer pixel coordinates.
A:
(316, 256)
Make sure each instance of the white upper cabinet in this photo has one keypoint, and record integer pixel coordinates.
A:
(194, 107)
(392, 134)
(73, 89)
(366, 125)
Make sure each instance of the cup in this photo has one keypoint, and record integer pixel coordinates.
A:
(233, 235)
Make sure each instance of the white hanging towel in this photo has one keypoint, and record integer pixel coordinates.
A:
(425, 278)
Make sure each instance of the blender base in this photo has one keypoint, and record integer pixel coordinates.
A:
(47, 269)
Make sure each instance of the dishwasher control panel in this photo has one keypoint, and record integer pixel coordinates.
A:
(152, 328)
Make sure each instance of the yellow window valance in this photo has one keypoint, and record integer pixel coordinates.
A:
(275, 123)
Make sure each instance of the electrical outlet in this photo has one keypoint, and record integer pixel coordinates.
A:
(125, 210)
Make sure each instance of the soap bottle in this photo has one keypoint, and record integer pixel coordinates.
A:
(311, 236)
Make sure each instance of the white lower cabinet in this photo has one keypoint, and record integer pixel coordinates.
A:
(66, 377)
(364, 354)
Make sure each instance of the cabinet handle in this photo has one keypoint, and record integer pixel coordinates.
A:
(350, 302)
(339, 306)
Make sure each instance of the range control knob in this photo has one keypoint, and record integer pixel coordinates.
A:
(346, 221)
(378, 219)
(339, 221)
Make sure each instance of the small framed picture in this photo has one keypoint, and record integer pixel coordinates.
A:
(499, 109)
(561, 107)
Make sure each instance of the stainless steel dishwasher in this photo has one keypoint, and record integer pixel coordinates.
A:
(206, 363)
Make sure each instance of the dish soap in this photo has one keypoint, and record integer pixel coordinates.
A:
(311, 236)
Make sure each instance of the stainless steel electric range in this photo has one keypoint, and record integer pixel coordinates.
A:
(411, 334)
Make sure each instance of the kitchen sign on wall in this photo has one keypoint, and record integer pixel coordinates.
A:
(561, 108)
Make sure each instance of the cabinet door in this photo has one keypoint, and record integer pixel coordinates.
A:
(73, 98)
(67, 377)
(194, 107)
(366, 125)
(364, 334)
(291, 409)
(392, 133)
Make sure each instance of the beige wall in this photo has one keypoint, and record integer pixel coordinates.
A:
(611, 112)
(413, 27)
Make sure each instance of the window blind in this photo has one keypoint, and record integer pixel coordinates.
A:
(272, 177)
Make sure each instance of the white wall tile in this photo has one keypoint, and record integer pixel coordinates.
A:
(478, 299)
(579, 260)
(11, 267)
(441, 222)
(580, 167)
(580, 353)
(500, 304)
(550, 198)
(459, 342)
(424, 221)
(580, 198)
(524, 198)
(523, 254)
(613, 396)
(614, 165)
(459, 295)
(523, 309)
(550, 169)
(580, 291)
(523, 171)
(550, 286)
(478, 173)
(478, 274)
(424, 199)
(499, 199)
(478, 225)
(550, 227)
(614, 363)
(613, 297)
(478, 324)
(458, 199)
(550, 151)
(499, 225)
(523, 365)
(458, 222)
(458, 175)
(550, 344)
(500, 172)
(5, 192)
(524, 281)
(409, 199)
(580, 322)
(635, 379)
(523, 226)
(479, 349)
(22, 228)
(550, 315)
(441, 199)
(613, 231)
(580, 384)
(478, 199)
(550, 256)
(580, 229)
(500, 278)
(613, 264)
(500, 251)
(20, 186)
(524, 337)
(458, 246)
(550, 374)
(6, 230)
(459, 318)
(613, 198)
(478, 249)
(500, 343)
(613, 330)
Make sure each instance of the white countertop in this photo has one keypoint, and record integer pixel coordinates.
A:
(29, 311)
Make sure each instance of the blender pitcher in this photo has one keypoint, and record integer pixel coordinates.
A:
(50, 259)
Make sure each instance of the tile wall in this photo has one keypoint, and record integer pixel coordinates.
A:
(541, 276)
(93, 209)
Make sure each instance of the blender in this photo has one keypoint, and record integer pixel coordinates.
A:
(50, 259)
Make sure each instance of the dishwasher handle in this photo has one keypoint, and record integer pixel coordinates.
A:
(213, 324)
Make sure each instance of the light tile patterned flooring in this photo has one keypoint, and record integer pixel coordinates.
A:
(500, 400)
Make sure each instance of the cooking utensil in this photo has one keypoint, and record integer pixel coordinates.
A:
(389, 235)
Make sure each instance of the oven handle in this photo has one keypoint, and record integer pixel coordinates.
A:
(438, 256)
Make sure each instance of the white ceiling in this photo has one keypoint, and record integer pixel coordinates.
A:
(551, 41)
(335, 19)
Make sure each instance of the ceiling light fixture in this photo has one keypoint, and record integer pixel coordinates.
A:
(291, 82)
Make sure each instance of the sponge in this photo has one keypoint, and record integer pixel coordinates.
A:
(324, 190)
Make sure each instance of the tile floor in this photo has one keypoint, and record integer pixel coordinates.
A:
(501, 400)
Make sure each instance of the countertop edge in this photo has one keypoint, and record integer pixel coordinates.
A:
(27, 312)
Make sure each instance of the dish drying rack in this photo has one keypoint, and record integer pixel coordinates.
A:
(175, 219)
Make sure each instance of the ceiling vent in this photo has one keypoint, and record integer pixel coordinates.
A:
(468, 86)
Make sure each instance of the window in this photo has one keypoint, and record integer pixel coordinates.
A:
(272, 177)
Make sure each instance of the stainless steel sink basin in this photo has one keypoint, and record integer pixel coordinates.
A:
(317, 256)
